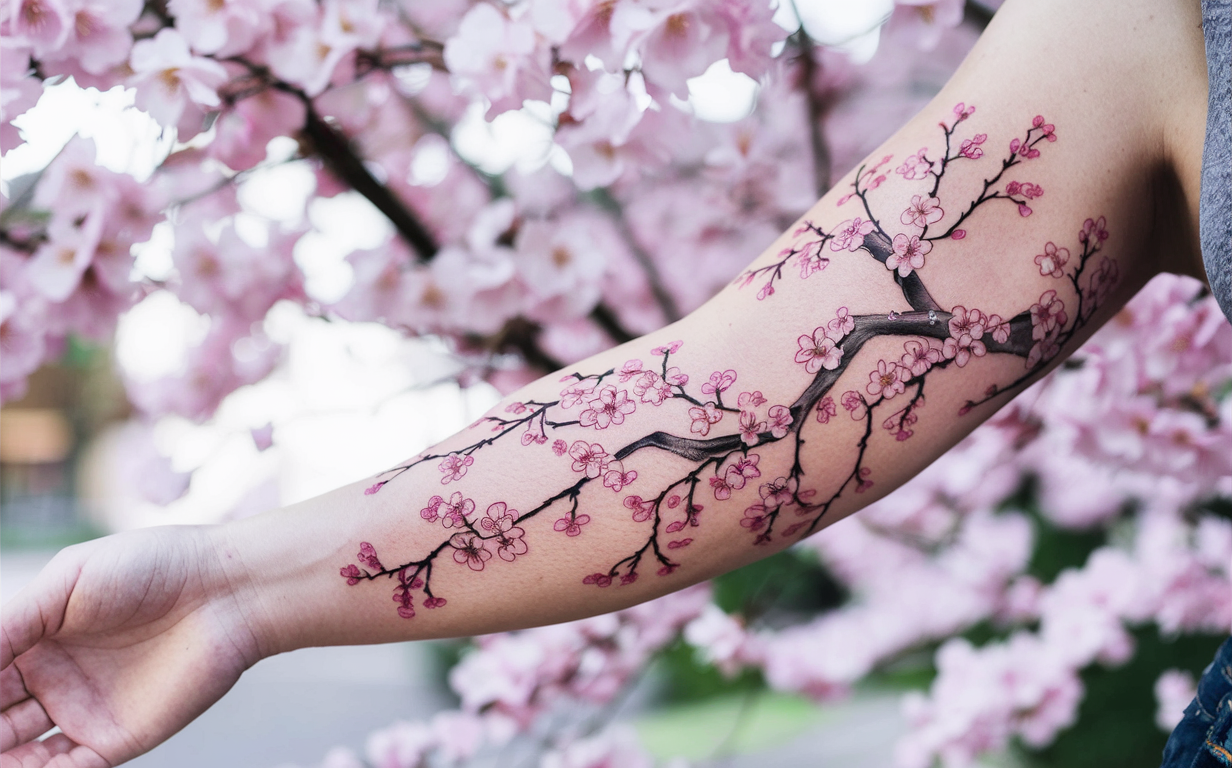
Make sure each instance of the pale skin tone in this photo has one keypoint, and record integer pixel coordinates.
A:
(122, 641)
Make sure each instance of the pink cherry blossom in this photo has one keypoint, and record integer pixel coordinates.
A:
(998, 328)
(908, 254)
(617, 478)
(740, 470)
(778, 419)
(1047, 315)
(170, 81)
(780, 492)
(470, 550)
(499, 525)
(352, 574)
(630, 370)
(887, 380)
(750, 400)
(916, 166)
(818, 351)
(826, 410)
(571, 525)
(919, 356)
(1094, 232)
(751, 428)
(589, 458)
(652, 388)
(922, 211)
(811, 260)
(854, 403)
(670, 348)
(453, 513)
(703, 417)
(44, 24)
(755, 517)
(970, 148)
(498, 57)
(453, 467)
(1052, 261)
(849, 235)
(720, 382)
(367, 556)
(610, 407)
(841, 325)
(966, 333)
(643, 510)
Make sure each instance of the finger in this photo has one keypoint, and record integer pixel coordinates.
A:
(12, 687)
(21, 723)
(69, 754)
(37, 754)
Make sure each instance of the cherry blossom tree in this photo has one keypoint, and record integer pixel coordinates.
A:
(522, 272)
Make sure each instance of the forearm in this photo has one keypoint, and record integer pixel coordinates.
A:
(632, 474)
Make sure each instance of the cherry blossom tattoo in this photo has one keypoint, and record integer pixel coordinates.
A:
(721, 427)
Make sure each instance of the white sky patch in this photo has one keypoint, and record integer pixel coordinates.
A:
(521, 137)
(720, 95)
(154, 337)
(852, 27)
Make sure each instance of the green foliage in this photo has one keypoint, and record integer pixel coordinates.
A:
(1116, 721)
(791, 581)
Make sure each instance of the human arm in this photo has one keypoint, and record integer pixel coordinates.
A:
(288, 574)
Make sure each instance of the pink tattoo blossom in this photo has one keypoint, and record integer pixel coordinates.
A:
(755, 517)
(499, 525)
(826, 410)
(750, 427)
(841, 325)
(352, 574)
(970, 148)
(750, 400)
(616, 478)
(963, 111)
(559, 447)
(643, 509)
(818, 351)
(908, 254)
(810, 259)
(609, 408)
(854, 403)
(850, 234)
(1047, 315)
(999, 329)
(703, 417)
(367, 556)
(455, 512)
(598, 579)
(652, 388)
(571, 526)
(453, 467)
(1052, 260)
(966, 332)
(780, 492)
(469, 550)
(922, 211)
(720, 382)
(1093, 231)
(670, 348)
(631, 369)
(886, 381)
(589, 458)
(919, 357)
(575, 393)
(779, 419)
(916, 166)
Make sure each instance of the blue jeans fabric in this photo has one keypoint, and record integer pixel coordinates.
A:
(1203, 739)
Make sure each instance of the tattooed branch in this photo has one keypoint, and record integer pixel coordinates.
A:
(719, 438)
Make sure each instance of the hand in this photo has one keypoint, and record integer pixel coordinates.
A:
(120, 642)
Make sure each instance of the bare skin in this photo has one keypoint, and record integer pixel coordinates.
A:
(123, 641)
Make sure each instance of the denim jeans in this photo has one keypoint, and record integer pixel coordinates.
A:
(1203, 739)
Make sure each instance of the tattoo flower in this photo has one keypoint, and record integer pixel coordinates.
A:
(908, 254)
(572, 526)
(616, 477)
(919, 357)
(750, 427)
(703, 417)
(826, 410)
(469, 550)
(779, 419)
(720, 382)
(850, 234)
(454, 467)
(589, 458)
(643, 509)
(818, 351)
(1047, 315)
(609, 408)
(886, 381)
(922, 211)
